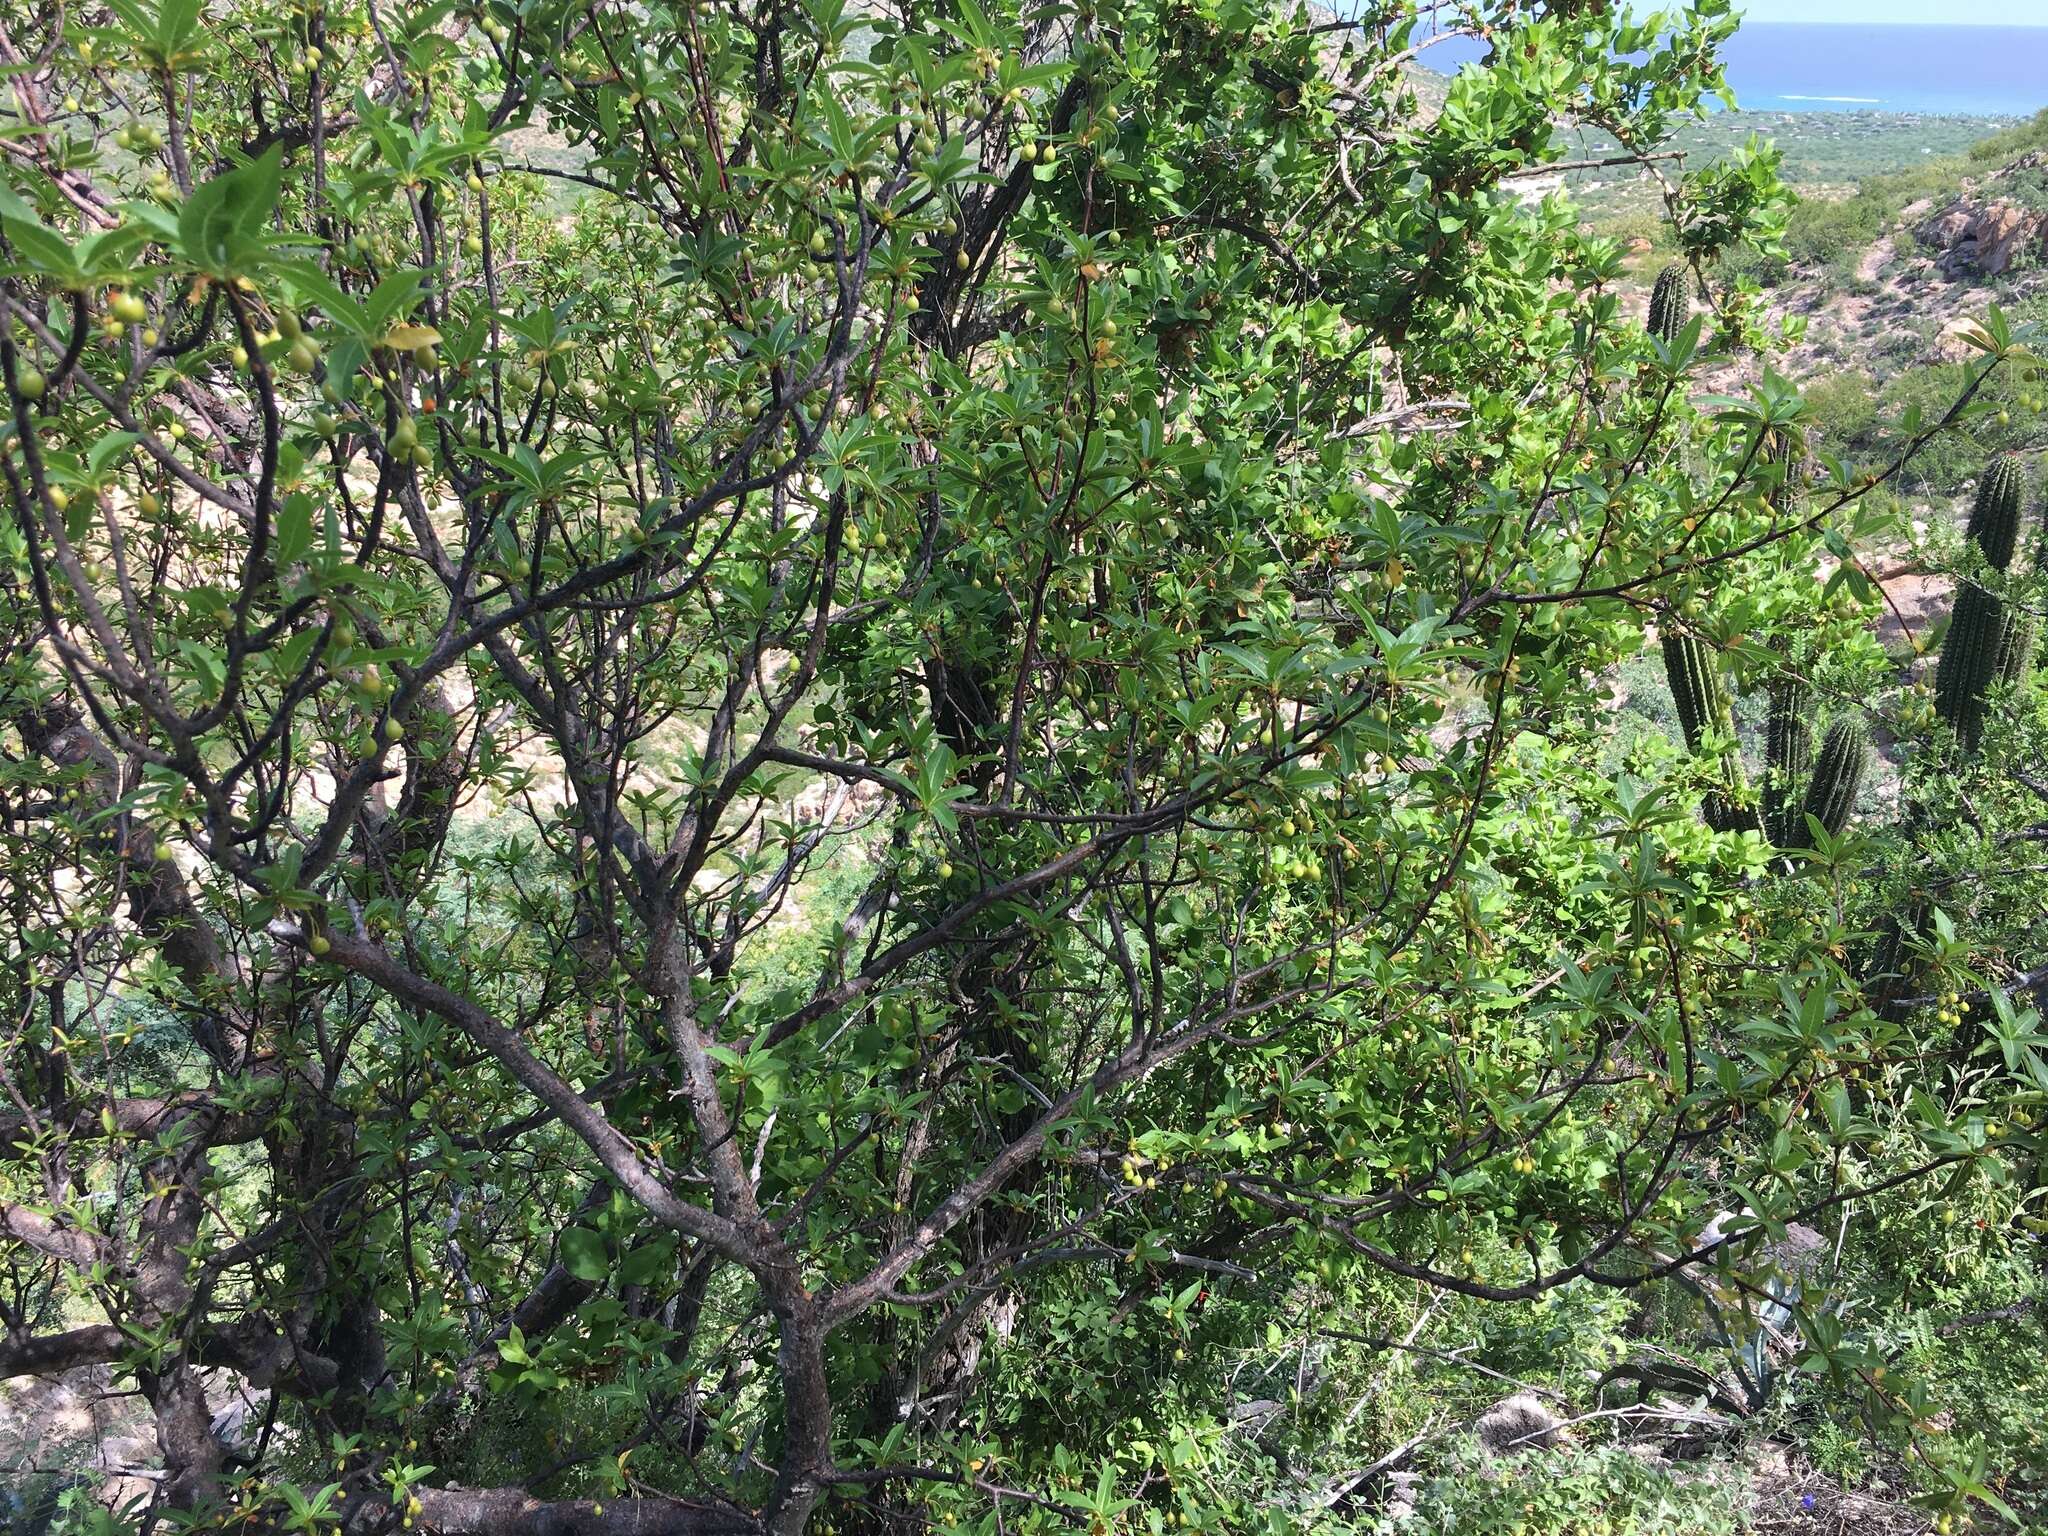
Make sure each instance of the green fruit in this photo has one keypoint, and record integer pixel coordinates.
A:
(30, 384)
(404, 437)
(819, 244)
(319, 944)
(393, 731)
(162, 852)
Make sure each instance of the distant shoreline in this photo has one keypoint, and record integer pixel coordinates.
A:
(1934, 69)
(1868, 108)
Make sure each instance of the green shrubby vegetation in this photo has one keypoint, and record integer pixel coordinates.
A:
(770, 769)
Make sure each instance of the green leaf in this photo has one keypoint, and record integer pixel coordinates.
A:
(221, 225)
(583, 1255)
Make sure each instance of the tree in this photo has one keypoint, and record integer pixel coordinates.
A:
(702, 697)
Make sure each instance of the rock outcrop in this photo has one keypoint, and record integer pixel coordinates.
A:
(1516, 1424)
(1979, 234)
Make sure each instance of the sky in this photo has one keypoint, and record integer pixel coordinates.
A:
(2011, 13)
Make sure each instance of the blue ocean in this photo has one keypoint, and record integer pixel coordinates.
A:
(1803, 67)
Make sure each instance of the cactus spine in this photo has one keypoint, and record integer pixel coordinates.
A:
(1837, 779)
(1670, 302)
(1788, 746)
(1973, 654)
(1703, 710)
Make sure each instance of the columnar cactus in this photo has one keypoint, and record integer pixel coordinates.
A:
(1695, 688)
(2016, 647)
(1779, 454)
(1837, 779)
(1969, 661)
(1703, 711)
(1671, 302)
(1976, 650)
(2001, 503)
(1788, 746)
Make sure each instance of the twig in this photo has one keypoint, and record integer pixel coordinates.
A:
(1556, 166)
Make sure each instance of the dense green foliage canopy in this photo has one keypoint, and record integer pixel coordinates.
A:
(753, 749)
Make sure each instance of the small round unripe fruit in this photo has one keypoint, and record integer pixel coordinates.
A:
(393, 731)
(59, 497)
(30, 384)
(962, 260)
(819, 244)
(162, 852)
(239, 357)
(945, 869)
(319, 945)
